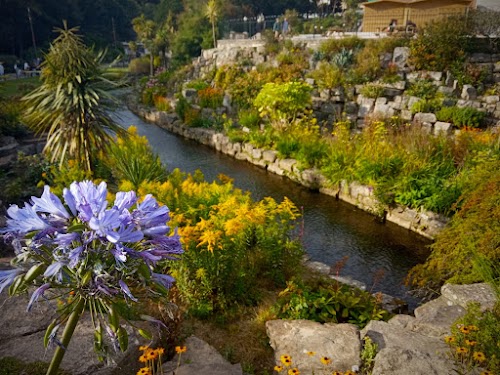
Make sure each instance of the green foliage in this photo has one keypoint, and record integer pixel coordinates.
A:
(331, 47)
(422, 88)
(69, 104)
(427, 106)
(233, 246)
(462, 116)
(10, 118)
(249, 118)
(139, 65)
(329, 302)
(441, 44)
(182, 107)
(343, 59)
(372, 90)
(210, 97)
(368, 354)
(11, 365)
(281, 102)
(473, 231)
(327, 76)
(131, 159)
(481, 329)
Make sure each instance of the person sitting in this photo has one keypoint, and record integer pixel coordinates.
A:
(392, 25)
(411, 27)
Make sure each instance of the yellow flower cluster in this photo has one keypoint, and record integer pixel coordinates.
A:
(286, 364)
(152, 359)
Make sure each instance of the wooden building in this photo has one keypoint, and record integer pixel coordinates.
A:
(378, 14)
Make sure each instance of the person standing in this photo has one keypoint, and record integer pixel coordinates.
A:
(2, 71)
(277, 28)
(285, 27)
(17, 69)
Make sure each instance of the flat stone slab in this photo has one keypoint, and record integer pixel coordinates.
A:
(201, 358)
(435, 318)
(462, 295)
(339, 342)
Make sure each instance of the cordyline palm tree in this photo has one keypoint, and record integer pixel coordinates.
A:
(68, 106)
(212, 13)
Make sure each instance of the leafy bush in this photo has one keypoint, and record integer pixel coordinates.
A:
(478, 333)
(131, 159)
(343, 59)
(281, 102)
(233, 245)
(331, 47)
(422, 88)
(249, 118)
(329, 302)
(427, 106)
(210, 97)
(327, 76)
(10, 118)
(182, 107)
(473, 231)
(161, 103)
(461, 117)
(372, 90)
(441, 44)
(139, 65)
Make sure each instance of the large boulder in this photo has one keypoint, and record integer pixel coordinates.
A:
(462, 295)
(339, 342)
(200, 358)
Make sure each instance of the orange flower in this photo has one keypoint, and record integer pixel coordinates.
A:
(180, 349)
(349, 372)
(310, 354)
(143, 358)
(286, 360)
(278, 368)
(144, 371)
(160, 351)
(449, 339)
(470, 342)
(337, 373)
(143, 347)
(293, 371)
(465, 330)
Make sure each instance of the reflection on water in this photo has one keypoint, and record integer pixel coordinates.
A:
(381, 253)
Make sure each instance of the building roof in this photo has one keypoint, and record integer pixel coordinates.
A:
(489, 4)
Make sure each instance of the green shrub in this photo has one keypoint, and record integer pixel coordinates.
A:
(327, 76)
(249, 118)
(331, 47)
(422, 88)
(182, 107)
(10, 118)
(462, 117)
(372, 90)
(427, 106)
(473, 231)
(329, 302)
(233, 246)
(140, 65)
(131, 159)
(281, 102)
(287, 147)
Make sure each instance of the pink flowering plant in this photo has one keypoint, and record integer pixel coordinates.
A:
(95, 257)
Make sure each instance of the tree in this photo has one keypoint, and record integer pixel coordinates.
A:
(68, 105)
(145, 30)
(212, 13)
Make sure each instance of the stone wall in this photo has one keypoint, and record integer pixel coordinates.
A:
(423, 222)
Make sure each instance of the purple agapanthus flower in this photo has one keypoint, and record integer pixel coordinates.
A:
(7, 277)
(37, 294)
(49, 203)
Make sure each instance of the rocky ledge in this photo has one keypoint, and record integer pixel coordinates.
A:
(406, 344)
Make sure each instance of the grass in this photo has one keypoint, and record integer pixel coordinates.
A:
(18, 87)
(14, 366)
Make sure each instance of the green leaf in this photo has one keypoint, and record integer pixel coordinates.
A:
(122, 338)
(147, 335)
(48, 331)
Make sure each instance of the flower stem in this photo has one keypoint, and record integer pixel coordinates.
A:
(68, 332)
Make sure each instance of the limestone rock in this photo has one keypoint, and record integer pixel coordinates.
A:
(469, 92)
(463, 294)
(442, 127)
(400, 57)
(396, 361)
(435, 318)
(201, 358)
(340, 342)
(424, 117)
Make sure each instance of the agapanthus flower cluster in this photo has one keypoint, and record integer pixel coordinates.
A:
(94, 252)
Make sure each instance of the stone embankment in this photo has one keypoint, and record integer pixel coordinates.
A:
(423, 222)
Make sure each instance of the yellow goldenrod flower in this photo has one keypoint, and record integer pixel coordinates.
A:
(470, 342)
(293, 371)
(278, 368)
(462, 350)
(479, 356)
(180, 349)
(144, 371)
(325, 360)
